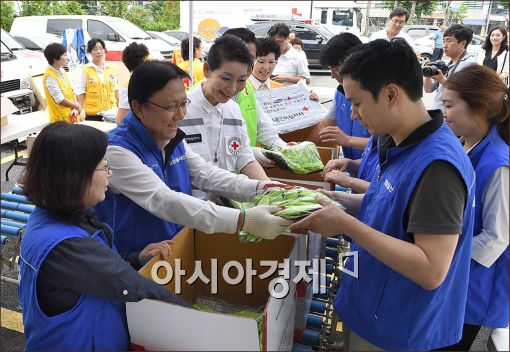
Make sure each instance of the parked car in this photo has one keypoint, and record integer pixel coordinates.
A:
(116, 32)
(420, 30)
(34, 61)
(314, 37)
(180, 35)
(424, 44)
(37, 42)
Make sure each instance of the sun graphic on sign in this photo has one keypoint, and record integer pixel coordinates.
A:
(209, 28)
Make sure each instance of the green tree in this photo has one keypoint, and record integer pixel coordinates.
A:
(42, 8)
(165, 15)
(113, 8)
(7, 15)
(423, 8)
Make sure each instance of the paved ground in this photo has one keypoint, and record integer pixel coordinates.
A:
(11, 330)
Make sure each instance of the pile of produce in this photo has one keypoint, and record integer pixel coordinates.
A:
(301, 158)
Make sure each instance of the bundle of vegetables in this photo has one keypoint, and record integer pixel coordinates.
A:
(296, 204)
(301, 158)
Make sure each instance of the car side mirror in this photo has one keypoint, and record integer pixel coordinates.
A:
(319, 39)
(113, 37)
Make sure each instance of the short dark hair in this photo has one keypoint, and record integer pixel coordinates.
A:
(266, 46)
(296, 41)
(229, 48)
(337, 48)
(92, 43)
(279, 29)
(185, 47)
(134, 54)
(460, 33)
(487, 45)
(244, 33)
(440, 23)
(379, 63)
(150, 77)
(53, 52)
(399, 11)
(60, 168)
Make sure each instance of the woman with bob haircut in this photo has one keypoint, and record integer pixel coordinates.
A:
(154, 170)
(494, 53)
(73, 284)
(476, 108)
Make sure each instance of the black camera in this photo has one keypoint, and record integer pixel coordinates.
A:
(434, 67)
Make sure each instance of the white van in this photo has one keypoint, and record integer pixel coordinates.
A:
(117, 33)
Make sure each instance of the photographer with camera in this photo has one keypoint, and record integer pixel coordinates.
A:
(455, 42)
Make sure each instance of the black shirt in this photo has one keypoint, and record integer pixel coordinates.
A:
(437, 203)
(490, 61)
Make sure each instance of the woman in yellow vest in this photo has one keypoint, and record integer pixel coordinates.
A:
(198, 66)
(60, 97)
(98, 89)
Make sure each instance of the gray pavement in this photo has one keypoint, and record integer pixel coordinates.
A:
(13, 340)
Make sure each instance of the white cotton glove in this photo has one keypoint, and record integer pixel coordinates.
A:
(261, 158)
(264, 186)
(260, 222)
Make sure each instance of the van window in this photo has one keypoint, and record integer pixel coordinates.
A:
(98, 29)
(58, 26)
(27, 43)
(306, 34)
(324, 16)
(342, 17)
(129, 29)
(417, 32)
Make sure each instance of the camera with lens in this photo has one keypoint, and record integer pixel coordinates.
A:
(434, 67)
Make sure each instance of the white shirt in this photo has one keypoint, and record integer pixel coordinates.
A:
(383, 34)
(219, 132)
(493, 240)
(139, 183)
(123, 100)
(82, 84)
(53, 87)
(292, 64)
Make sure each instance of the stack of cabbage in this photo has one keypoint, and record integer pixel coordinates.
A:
(296, 204)
(301, 158)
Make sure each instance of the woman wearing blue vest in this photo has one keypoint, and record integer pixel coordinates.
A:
(413, 230)
(155, 170)
(73, 284)
(337, 128)
(476, 108)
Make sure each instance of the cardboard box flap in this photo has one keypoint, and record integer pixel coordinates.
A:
(172, 327)
(7, 107)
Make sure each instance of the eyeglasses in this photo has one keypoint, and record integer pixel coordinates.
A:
(106, 168)
(174, 107)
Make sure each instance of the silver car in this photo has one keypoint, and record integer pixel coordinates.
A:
(424, 45)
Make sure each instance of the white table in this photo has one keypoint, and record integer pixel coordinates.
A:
(19, 126)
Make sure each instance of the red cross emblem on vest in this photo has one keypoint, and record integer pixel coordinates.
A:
(234, 145)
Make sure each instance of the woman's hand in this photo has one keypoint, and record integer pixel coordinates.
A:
(162, 248)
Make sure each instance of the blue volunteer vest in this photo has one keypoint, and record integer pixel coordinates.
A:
(92, 324)
(369, 161)
(381, 305)
(348, 125)
(134, 226)
(488, 297)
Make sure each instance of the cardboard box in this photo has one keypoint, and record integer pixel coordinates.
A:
(156, 325)
(37, 85)
(326, 155)
(7, 108)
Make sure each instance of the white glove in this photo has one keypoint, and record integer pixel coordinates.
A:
(260, 222)
(264, 186)
(261, 158)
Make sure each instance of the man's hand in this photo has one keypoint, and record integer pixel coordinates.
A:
(326, 221)
(333, 134)
(341, 164)
(338, 178)
(260, 222)
(439, 78)
(313, 96)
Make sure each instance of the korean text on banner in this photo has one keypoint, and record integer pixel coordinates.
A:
(289, 108)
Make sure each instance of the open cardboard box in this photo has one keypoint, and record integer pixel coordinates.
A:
(326, 155)
(7, 108)
(156, 325)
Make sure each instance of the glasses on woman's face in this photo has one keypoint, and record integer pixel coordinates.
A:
(172, 108)
(106, 168)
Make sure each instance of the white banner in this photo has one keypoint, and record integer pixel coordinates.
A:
(289, 108)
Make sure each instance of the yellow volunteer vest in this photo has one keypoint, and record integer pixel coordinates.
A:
(99, 96)
(198, 69)
(56, 111)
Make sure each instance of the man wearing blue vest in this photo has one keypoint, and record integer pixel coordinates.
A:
(337, 127)
(412, 234)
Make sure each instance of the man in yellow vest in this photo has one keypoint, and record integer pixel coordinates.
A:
(60, 97)
(98, 89)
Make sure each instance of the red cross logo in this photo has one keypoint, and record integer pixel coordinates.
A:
(234, 145)
(305, 108)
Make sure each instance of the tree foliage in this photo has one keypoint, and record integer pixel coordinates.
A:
(7, 15)
(423, 8)
(43, 8)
